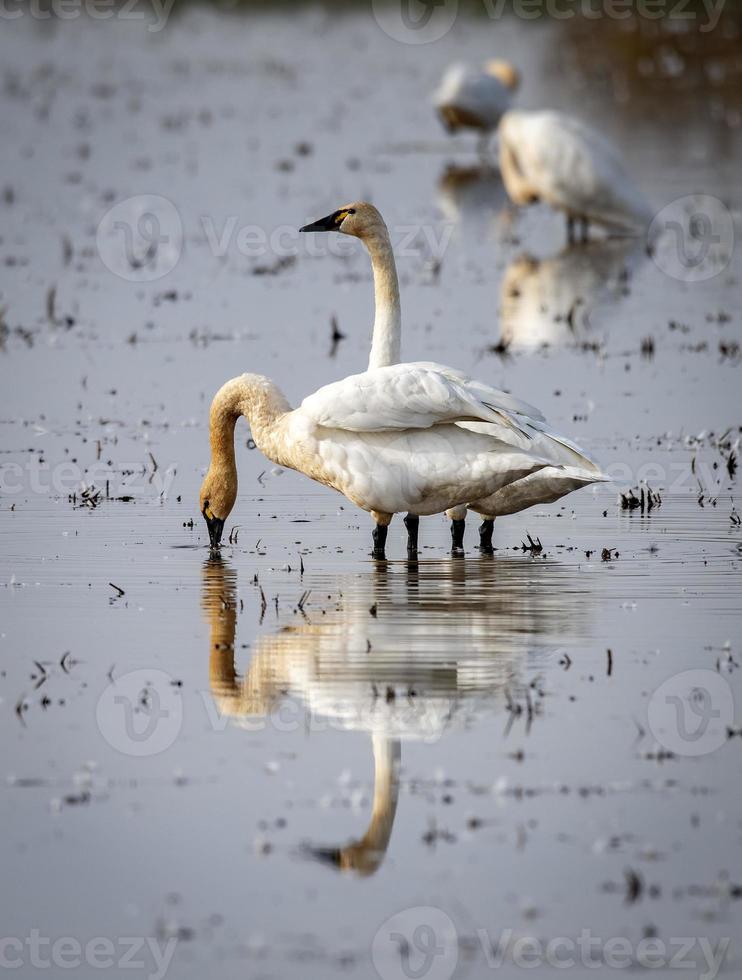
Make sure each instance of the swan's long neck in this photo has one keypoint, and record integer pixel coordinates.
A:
(385, 344)
(260, 401)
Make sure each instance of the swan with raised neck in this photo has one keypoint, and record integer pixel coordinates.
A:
(362, 220)
(572, 468)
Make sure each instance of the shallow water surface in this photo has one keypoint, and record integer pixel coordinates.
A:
(254, 762)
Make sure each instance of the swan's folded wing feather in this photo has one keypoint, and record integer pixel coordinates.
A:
(403, 396)
(498, 399)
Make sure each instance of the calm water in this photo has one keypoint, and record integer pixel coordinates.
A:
(262, 759)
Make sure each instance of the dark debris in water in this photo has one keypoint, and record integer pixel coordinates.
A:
(534, 547)
(642, 498)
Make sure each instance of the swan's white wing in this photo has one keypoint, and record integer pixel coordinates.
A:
(569, 165)
(544, 442)
(403, 396)
(543, 487)
(500, 400)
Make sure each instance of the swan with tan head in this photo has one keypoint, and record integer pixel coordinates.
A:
(475, 97)
(387, 439)
(517, 424)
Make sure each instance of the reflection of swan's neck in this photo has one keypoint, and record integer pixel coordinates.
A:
(387, 754)
(233, 695)
(385, 345)
(364, 856)
(219, 602)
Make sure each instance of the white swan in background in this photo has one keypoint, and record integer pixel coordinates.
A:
(387, 439)
(552, 157)
(551, 300)
(471, 97)
(519, 425)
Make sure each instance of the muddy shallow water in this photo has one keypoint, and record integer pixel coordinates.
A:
(264, 758)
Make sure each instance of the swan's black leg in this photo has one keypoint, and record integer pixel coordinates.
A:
(457, 535)
(485, 536)
(584, 226)
(412, 523)
(570, 230)
(379, 536)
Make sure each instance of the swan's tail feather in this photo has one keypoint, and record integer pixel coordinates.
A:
(508, 420)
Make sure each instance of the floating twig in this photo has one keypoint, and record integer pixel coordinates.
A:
(535, 547)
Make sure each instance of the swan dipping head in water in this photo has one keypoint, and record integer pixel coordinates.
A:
(416, 438)
(475, 97)
(552, 157)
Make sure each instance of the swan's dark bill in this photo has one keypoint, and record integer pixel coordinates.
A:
(216, 528)
(330, 223)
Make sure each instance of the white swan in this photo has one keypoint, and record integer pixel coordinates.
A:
(471, 97)
(518, 424)
(552, 157)
(387, 439)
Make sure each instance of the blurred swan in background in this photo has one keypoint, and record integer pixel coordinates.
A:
(552, 157)
(549, 301)
(394, 675)
(470, 97)
(563, 465)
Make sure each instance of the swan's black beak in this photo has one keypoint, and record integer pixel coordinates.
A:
(329, 223)
(216, 527)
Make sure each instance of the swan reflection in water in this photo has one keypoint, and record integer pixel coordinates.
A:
(475, 195)
(408, 651)
(549, 301)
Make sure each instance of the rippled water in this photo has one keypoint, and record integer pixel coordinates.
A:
(267, 756)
